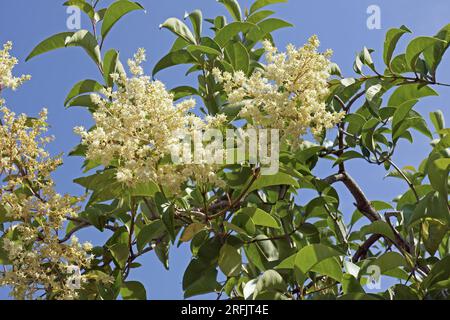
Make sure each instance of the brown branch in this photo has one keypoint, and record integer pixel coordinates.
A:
(364, 248)
(237, 201)
(366, 208)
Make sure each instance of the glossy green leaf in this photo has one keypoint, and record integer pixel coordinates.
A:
(179, 28)
(147, 189)
(417, 47)
(392, 37)
(378, 227)
(191, 230)
(133, 290)
(313, 254)
(231, 30)
(196, 18)
(438, 120)
(273, 180)
(85, 86)
(183, 91)
(230, 261)
(240, 59)
(87, 41)
(115, 12)
(260, 217)
(120, 253)
(54, 42)
(173, 59)
(263, 3)
(410, 92)
(233, 8)
(149, 233)
(85, 7)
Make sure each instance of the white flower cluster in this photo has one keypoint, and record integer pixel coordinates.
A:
(32, 214)
(7, 63)
(35, 213)
(136, 128)
(288, 94)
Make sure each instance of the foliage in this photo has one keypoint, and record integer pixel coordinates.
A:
(253, 231)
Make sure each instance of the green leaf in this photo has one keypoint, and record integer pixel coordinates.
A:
(273, 180)
(133, 290)
(351, 285)
(392, 37)
(83, 101)
(85, 7)
(81, 87)
(231, 30)
(162, 252)
(199, 278)
(87, 41)
(267, 248)
(150, 232)
(400, 114)
(266, 27)
(258, 16)
(173, 59)
(438, 169)
(433, 55)
(196, 18)
(348, 155)
(433, 232)
(233, 8)
(203, 50)
(54, 42)
(115, 12)
(269, 281)
(179, 28)
(260, 217)
(111, 64)
(243, 223)
(120, 252)
(329, 267)
(313, 254)
(168, 218)
(288, 263)
(439, 272)
(240, 59)
(147, 189)
(389, 261)
(230, 261)
(263, 3)
(378, 227)
(438, 120)
(417, 46)
(410, 92)
(183, 91)
(191, 230)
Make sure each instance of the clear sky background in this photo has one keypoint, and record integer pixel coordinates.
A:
(340, 25)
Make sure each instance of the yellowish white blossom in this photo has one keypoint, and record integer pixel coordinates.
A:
(288, 94)
(7, 64)
(136, 128)
(32, 213)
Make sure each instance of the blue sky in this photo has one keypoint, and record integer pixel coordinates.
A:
(340, 25)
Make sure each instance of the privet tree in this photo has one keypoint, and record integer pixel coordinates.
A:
(250, 236)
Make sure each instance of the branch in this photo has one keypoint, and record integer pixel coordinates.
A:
(365, 207)
(238, 199)
(364, 248)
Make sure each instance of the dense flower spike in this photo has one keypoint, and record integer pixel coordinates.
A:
(7, 63)
(289, 94)
(35, 214)
(136, 129)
